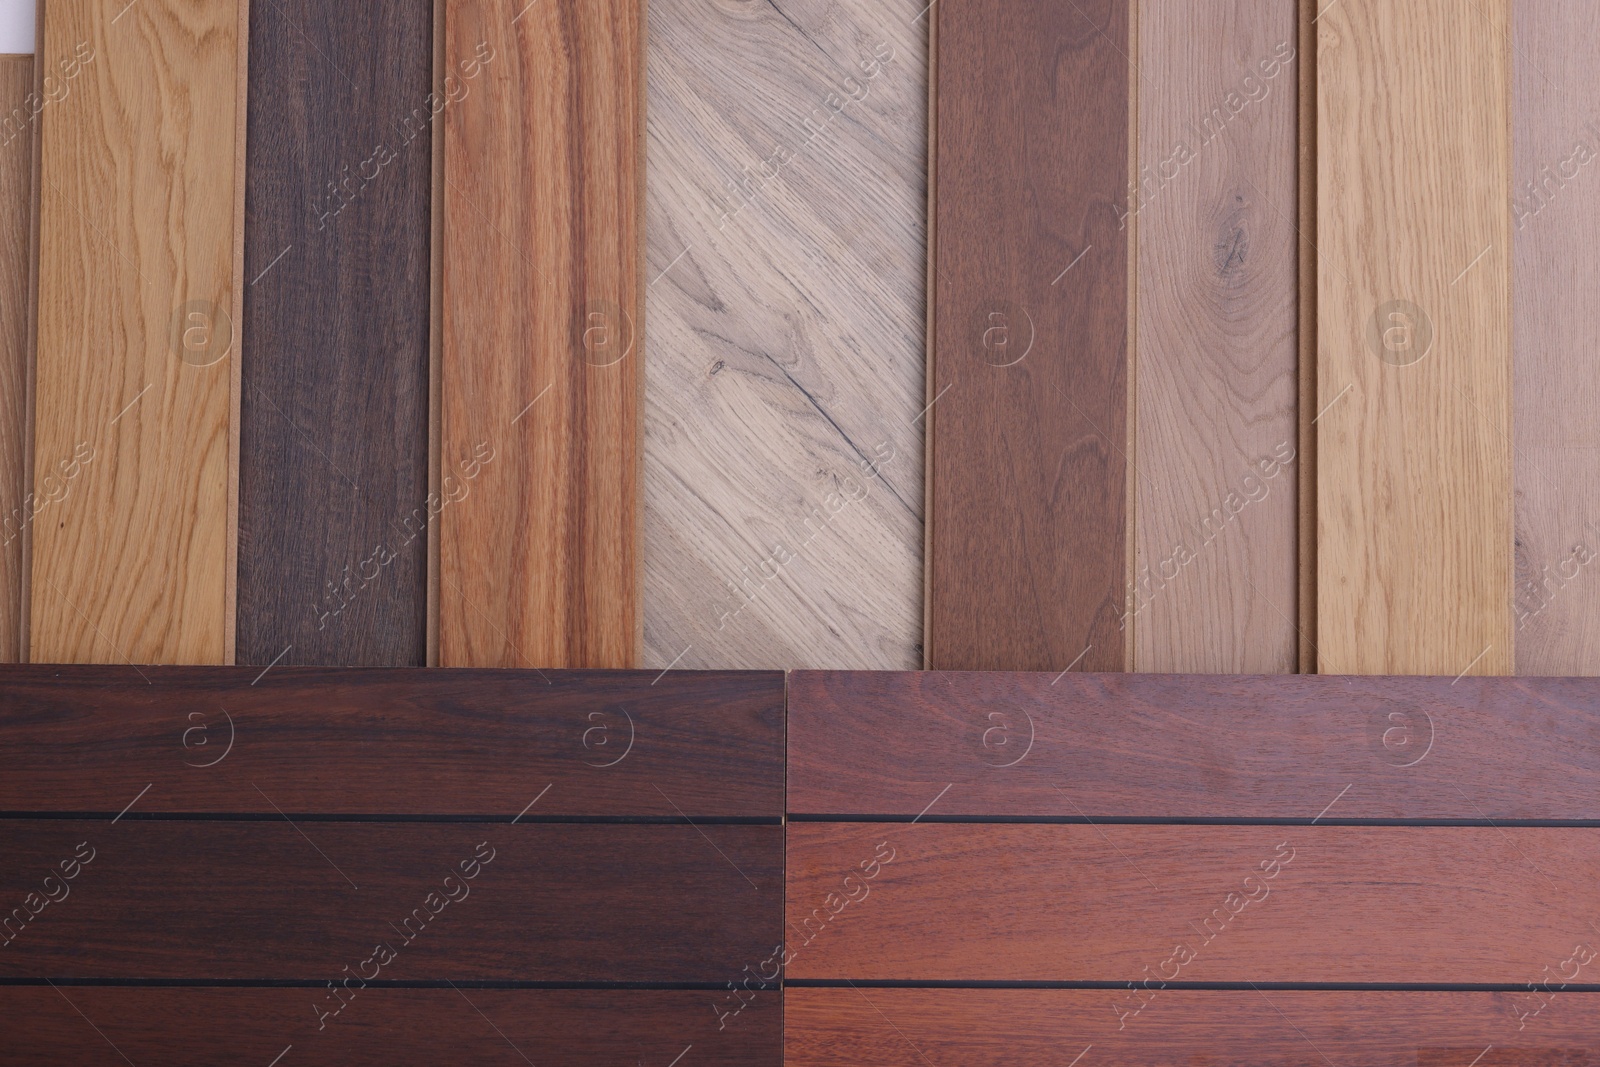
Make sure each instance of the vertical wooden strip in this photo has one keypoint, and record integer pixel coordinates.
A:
(1214, 584)
(16, 219)
(1414, 374)
(1556, 322)
(541, 372)
(1306, 341)
(137, 285)
(1027, 508)
(333, 477)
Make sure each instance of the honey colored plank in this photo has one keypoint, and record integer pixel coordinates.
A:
(1027, 510)
(1214, 579)
(139, 286)
(1555, 228)
(1413, 310)
(542, 333)
(16, 224)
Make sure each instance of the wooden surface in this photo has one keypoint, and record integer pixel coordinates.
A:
(1147, 746)
(354, 742)
(783, 444)
(197, 1027)
(138, 294)
(1026, 530)
(16, 223)
(1280, 1028)
(1216, 486)
(1414, 448)
(333, 486)
(542, 335)
(1555, 225)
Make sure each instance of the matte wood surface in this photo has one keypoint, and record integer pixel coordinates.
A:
(391, 742)
(541, 359)
(1280, 1028)
(272, 899)
(16, 223)
(138, 297)
(1213, 588)
(783, 444)
(1027, 535)
(1157, 747)
(1413, 311)
(1378, 904)
(1555, 320)
(333, 483)
(199, 1027)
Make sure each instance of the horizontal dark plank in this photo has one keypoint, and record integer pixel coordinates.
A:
(1036, 1028)
(201, 1027)
(1163, 746)
(1301, 904)
(391, 741)
(271, 900)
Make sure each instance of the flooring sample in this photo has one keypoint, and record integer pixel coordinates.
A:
(1157, 747)
(785, 370)
(1275, 1028)
(1027, 514)
(139, 287)
(194, 1027)
(1215, 492)
(541, 368)
(1414, 553)
(16, 225)
(1555, 224)
(334, 506)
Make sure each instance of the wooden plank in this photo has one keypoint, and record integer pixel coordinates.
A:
(195, 1027)
(1152, 746)
(1278, 1028)
(1026, 545)
(1214, 579)
(297, 900)
(783, 475)
(542, 326)
(16, 233)
(333, 484)
(1555, 224)
(1414, 318)
(394, 742)
(1076, 903)
(139, 291)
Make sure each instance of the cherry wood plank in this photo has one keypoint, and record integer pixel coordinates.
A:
(16, 234)
(393, 742)
(1166, 746)
(1026, 513)
(1080, 903)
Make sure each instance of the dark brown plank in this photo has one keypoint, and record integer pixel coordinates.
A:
(1383, 905)
(1035, 1028)
(1164, 746)
(201, 1027)
(275, 900)
(1026, 541)
(390, 741)
(333, 455)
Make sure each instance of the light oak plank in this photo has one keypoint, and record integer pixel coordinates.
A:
(16, 221)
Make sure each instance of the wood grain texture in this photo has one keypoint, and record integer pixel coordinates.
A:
(1414, 377)
(197, 1027)
(1282, 1028)
(1151, 746)
(333, 483)
(1214, 579)
(395, 742)
(783, 477)
(1555, 225)
(1385, 905)
(16, 226)
(1026, 531)
(542, 333)
(138, 294)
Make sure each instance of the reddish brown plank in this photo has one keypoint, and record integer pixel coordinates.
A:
(1163, 746)
(1026, 513)
(391, 741)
